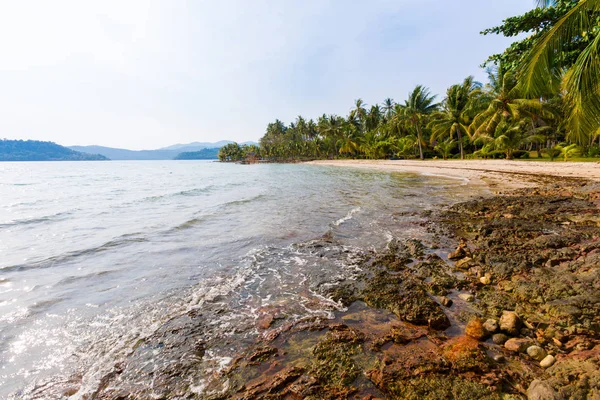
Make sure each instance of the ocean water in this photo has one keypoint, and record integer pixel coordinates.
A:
(98, 257)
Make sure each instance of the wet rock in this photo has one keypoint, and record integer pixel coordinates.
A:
(406, 297)
(486, 279)
(517, 345)
(490, 326)
(463, 263)
(446, 302)
(499, 358)
(468, 297)
(510, 322)
(467, 354)
(536, 352)
(499, 338)
(457, 254)
(541, 390)
(548, 361)
(475, 329)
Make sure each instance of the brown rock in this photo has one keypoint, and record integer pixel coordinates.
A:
(540, 390)
(458, 253)
(475, 329)
(510, 323)
(517, 345)
(499, 338)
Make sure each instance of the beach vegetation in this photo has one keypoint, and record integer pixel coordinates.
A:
(542, 98)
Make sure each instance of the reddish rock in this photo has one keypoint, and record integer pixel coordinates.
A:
(517, 345)
(475, 329)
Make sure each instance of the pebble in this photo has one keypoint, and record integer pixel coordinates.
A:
(467, 297)
(499, 358)
(510, 322)
(536, 352)
(548, 361)
(475, 329)
(517, 345)
(491, 326)
(499, 338)
(486, 279)
(446, 302)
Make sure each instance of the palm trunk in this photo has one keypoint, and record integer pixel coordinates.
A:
(419, 140)
(460, 144)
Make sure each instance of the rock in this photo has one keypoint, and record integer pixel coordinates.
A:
(490, 326)
(463, 263)
(499, 338)
(510, 322)
(475, 329)
(548, 361)
(517, 345)
(540, 390)
(446, 302)
(499, 358)
(486, 279)
(536, 352)
(457, 254)
(467, 297)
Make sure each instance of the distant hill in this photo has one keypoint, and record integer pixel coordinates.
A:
(167, 153)
(123, 154)
(197, 146)
(34, 150)
(204, 154)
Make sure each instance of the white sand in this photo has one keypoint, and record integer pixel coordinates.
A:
(493, 173)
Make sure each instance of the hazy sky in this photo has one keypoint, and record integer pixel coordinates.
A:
(147, 74)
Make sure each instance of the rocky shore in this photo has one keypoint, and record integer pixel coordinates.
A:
(502, 303)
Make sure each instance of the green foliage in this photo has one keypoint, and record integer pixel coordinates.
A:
(204, 154)
(230, 152)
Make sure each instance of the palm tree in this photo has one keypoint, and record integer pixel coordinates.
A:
(542, 75)
(505, 103)
(458, 110)
(420, 103)
(388, 107)
(359, 110)
(568, 151)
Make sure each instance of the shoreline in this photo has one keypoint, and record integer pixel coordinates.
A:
(495, 174)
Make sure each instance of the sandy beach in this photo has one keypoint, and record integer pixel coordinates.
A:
(494, 173)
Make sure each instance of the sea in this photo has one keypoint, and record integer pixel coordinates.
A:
(98, 259)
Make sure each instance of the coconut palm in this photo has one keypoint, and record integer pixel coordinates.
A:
(420, 104)
(506, 104)
(457, 111)
(388, 107)
(542, 75)
(569, 151)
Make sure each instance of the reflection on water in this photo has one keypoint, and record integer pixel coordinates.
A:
(95, 257)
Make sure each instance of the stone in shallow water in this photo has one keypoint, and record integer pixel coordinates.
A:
(510, 322)
(467, 297)
(475, 329)
(548, 361)
(536, 352)
(499, 338)
(517, 345)
(491, 326)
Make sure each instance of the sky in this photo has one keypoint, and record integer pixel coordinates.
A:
(148, 74)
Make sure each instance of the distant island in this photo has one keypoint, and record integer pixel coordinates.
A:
(165, 153)
(34, 150)
(204, 154)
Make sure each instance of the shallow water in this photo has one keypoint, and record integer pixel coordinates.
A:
(97, 257)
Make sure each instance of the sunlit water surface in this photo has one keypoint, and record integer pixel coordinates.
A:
(96, 255)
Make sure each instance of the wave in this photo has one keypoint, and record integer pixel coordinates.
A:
(244, 201)
(49, 262)
(38, 220)
(347, 217)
